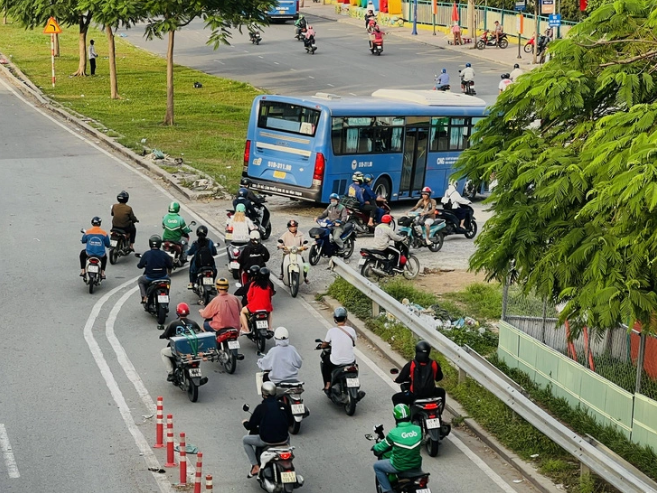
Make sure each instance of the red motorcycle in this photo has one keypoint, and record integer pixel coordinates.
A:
(488, 39)
(227, 349)
(359, 219)
(376, 44)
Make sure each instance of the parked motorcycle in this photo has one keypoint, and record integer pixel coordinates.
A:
(277, 473)
(310, 45)
(92, 270)
(227, 349)
(488, 39)
(293, 267)
(345, 384)
(324, 245)
(542, 40)
(177, 251)
(375, 264)
(188, 351)
(119, 245)
(413, 227)
(412, 481)
(204, 285)
(453, 223)
(255, 37)
(360, 219)
(259, 327)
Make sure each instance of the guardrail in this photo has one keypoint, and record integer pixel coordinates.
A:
(609, 466)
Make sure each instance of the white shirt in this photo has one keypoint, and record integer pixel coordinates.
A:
(342, 346)
(241, 230)
(452, 194)
(92, 51)
(504, 83)
(468, 73)
(515, 73)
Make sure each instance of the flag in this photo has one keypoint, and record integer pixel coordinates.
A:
(455, 13)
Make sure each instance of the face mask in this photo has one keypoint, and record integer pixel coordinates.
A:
(334, 202)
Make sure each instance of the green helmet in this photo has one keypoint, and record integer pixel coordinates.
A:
(174, 207)
(401, 412)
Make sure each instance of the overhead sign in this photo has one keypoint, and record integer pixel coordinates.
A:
(554, 20)
(52, 27)
(547, 6)
(521, 5)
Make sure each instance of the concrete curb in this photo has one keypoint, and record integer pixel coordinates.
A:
(12, 74)
(540, 482)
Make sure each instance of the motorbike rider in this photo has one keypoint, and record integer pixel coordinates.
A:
(223, 311)
(369, 17)
(443, 79)
(301, 24)
(405, 441)
(252, 275)
(243, 198)
(467, 75)
(342, 340)
(202, 251)
(370, 196)
(271, 420)
(156, 264)
(516, 72)
(337, 214)
(452, 200)
(124, 218)
(383, 234)
(356, 192)
(238, 226)
(505, 82)
(258, 298)
(282, 362)
(255, 253)
(499, 29)
(175, 227)
(418, 378)
(427, 207)
(309, 36)
(177, 327)
(378, 35)
(293, 237)
(96, 240)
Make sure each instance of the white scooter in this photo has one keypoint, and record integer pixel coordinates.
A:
(293, 267)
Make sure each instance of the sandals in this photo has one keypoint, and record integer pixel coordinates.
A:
(252, 474)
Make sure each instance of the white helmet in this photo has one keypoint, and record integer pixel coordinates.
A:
(268, 389)
(281, 333)
(254, 235)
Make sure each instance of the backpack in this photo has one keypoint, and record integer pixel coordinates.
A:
(203, 257)
(423, 379)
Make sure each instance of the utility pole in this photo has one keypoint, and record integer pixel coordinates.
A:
(472, 22)
(414, 32)
(536, 12)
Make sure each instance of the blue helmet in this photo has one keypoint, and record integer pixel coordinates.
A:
(334, 196)
(443, 71)
(468, 65)
(242, 192)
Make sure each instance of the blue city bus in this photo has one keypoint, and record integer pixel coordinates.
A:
(308, 147)
(284, 10)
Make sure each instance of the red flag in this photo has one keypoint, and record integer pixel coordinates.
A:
(455, 12)
(583, 4)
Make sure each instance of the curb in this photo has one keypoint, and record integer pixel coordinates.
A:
(526, 470)
(12, 74)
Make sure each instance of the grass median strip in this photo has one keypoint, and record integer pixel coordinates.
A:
(211, 122)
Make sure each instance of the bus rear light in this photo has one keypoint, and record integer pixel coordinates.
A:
(320, 165)
(247, 154)
(297, 6)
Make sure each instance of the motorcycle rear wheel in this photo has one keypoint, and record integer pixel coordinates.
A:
(236, 273)
(367, 272)
(348, 248)
(350, 406)
(472, 230)
(432, 447)
(161, 314)
(438, 243)
(92, 284)
(296, 426)
(481, 45)
(207, 297)
(503, 43)
(267, 232)
(412, 267)
(113, 256)
(260, 344)
(288, 487)
(231, 362)
(192, 390)
(529, 48)
(294, 284)
(315, 254)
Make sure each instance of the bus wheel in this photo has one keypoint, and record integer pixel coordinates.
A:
(382, 187)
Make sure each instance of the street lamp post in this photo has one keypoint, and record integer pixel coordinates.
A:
(414, 32)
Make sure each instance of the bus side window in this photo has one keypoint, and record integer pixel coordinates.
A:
(365, 141)
(458, 138)
(439, 136)
(351, 141)
(396, 139)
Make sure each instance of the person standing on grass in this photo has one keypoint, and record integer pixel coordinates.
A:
(92, 57)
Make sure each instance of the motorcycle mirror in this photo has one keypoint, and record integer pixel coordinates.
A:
(82, 231)
(138, 255)
(238, 285)
(394, 371)
(216, 245)
(369, 437)
(193, 223)
(245, 408)
(305, 242)
(318, 340)
(280, 241)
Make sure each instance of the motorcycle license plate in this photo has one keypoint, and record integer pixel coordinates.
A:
(353, 382)
(233, 345)
(234, 265)
(92, 268)
(433, 423)
(423, 490)
(361, 262)
(195, 372)
(289, 477)
(208, 281)
(162, 298)
(298, 409)
(113, 243)
(262, 324)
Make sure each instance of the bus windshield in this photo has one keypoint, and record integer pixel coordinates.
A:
(286, 117)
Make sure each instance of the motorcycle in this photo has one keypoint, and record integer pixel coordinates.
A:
(289, 393)
(413, 227)
(453, 223)
(442, 87)
(119, 245)
(300, 33)
(345, 384)
(375, 264)
(204, 286)
(293, 267)
(188, 351)
(177, 251)
(92, 268)
(277, 473)
(468, 87)
(413, 481)
(309, 44)
(376, 45)
(227, 349)
(542, 40)
(158, 300)
(259, 327)
(488, 39)
(324, 244)
(360, 219)
(255, 37)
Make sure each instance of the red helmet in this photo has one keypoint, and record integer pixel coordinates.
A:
(386, 219)
(182, 310)
(426, 190)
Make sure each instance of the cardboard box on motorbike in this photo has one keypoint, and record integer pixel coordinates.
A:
(193, 346)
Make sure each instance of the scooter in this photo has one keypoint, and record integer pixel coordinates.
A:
(227, 349)
(293, 267)
(119, 245)
(442, 87)
(255, 37)
(259, 327)
(489, 40)
(204, 286)
(453, 223)
(157, 293)
(376, 45)
(178, 251)
(92, 268)
(468, 87)
(360, 219)
(289, 393)
(375, 264)
(324, 245)
(309, 44)
(188, 351)
(413, 227)
(345, 384)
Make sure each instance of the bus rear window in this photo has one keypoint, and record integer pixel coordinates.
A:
(286, 117)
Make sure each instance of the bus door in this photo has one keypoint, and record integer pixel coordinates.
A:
(414, 166)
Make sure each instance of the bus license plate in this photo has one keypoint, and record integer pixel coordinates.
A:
(234, 265)
(113, 243)
(298, 409)
(289, 477)
(433, 423)
(92, 268)
(280, 174)
(262, 324)
(195, 372)
(353, 382)
(162, 298)
(207, 281)
(233, 345)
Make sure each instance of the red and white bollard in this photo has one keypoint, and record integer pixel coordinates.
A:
(199, 469)
(208, 483)
(182, 454)
(159, 426)
(171, 462)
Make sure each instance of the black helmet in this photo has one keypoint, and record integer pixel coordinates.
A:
(95, 221)
(422, 350)
(254, 270)
(155, 241)
(202, 231)
(123, 197)
(264, 273)
(516, 66)
(340, 314)
(292, 223)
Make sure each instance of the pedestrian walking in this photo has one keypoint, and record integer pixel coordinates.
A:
(92, 57)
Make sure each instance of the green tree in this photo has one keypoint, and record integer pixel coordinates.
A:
(572, 147)
(168, 16)
(34, 14)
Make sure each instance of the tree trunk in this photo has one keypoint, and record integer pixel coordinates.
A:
(168, 119)
(82, 45)
(111, 51)
(472, 21)
(56, 44)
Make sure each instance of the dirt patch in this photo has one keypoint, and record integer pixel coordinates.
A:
(441, 281)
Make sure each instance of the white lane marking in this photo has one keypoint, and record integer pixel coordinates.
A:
(330, 84)
(310, 77)
(276, 63)
(259, 56)
(219, 61)
(10, 461)
(352, 94)
(142, 444)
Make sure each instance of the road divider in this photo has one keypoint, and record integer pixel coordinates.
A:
(182, 457)
(199, 469)
(171, 461)
(159, 425)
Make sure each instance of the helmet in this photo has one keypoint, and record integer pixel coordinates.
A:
(202, 231)
(401, 412)
(95, 221)
(182, 310)
(443, 71)
(254, 270)
(468, 65)
(268, 389)
(240, 208)
(368, 178)
(505, 76)
(301, 16)
(426, 190)
(340, 314)
(422, 350)
(254, 235)
(357, 176)
(123, 197)
(292, 223)
(281, 333)
(222, 284)
(386, 219)
(155, 241)
(264, 273)
(516, 66)
(243, 192)
(174, 207)
(334, 196)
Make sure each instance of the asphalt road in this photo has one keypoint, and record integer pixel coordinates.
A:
(79, 372)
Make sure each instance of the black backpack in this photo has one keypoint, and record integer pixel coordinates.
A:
(203, 257)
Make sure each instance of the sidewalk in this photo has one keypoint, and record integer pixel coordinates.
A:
(507, 57)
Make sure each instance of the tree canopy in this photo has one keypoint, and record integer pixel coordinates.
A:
(573, 147)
